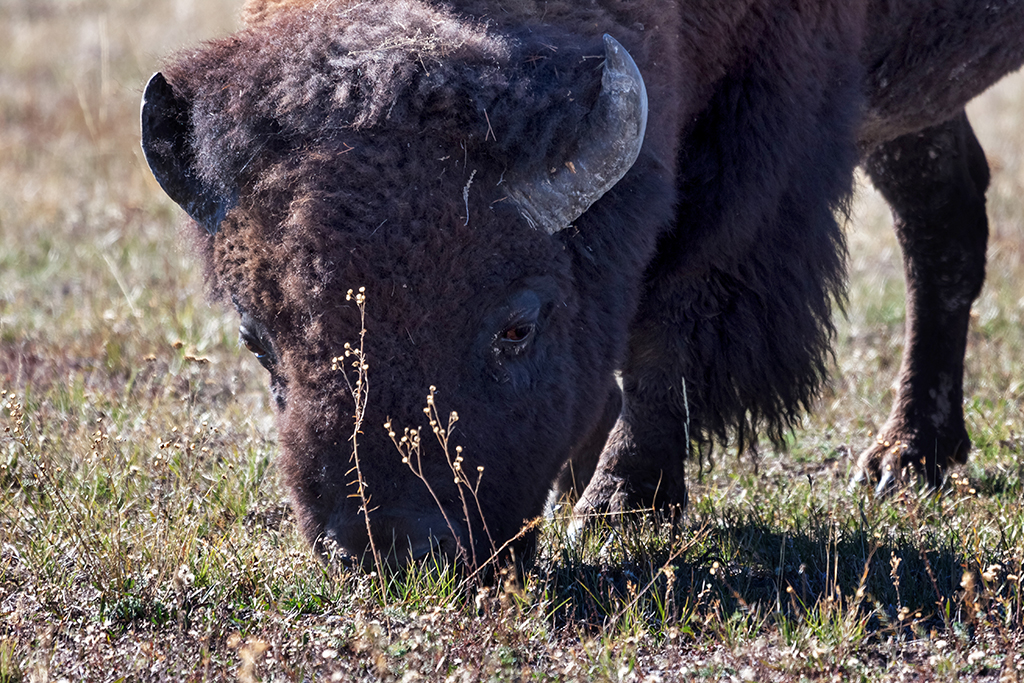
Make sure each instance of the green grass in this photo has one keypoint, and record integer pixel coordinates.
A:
(144, 534)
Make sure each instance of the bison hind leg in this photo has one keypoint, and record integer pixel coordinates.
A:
(935, 182)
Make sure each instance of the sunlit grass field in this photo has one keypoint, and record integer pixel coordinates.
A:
(144, 534)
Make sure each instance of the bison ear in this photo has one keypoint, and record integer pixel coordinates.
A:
(167, 144)
(609, 144)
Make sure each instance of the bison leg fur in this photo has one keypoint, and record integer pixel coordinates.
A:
(935, 182)
(640, 467)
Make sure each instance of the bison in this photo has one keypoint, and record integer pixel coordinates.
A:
(582, 237)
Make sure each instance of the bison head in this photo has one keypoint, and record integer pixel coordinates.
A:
(447, 203)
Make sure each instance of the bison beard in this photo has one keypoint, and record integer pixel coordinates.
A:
(484, 180)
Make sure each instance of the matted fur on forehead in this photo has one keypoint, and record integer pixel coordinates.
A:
(309, 75)
(306, 72)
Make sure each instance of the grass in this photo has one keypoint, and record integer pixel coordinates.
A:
(144, 534)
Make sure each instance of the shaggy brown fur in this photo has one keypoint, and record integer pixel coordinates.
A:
(367, 144)
(923, 61)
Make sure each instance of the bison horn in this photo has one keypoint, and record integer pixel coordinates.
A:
(167, 144)
(608, 148)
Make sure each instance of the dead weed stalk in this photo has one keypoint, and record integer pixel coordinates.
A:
(360, 390)
(410, 446)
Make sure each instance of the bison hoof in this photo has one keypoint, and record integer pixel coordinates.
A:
(895, 457)
(613, 497)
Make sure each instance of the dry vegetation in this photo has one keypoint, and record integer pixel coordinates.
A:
(144, 534)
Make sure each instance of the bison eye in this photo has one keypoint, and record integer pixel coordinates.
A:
(254, 347)
(257, 344)
(520, 327)
(518, 333)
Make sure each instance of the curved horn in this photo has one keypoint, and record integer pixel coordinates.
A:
(166, 143)
(610, 144)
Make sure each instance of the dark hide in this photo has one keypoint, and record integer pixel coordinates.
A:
(371, 145)
(923, 61)
(734, 326)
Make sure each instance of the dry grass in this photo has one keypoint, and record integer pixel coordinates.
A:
(143, 533)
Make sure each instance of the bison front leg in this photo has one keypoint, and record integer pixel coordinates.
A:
(640, 468)
(642, 463)
(935, 182)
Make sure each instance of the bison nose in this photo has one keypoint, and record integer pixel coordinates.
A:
(399, 540)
